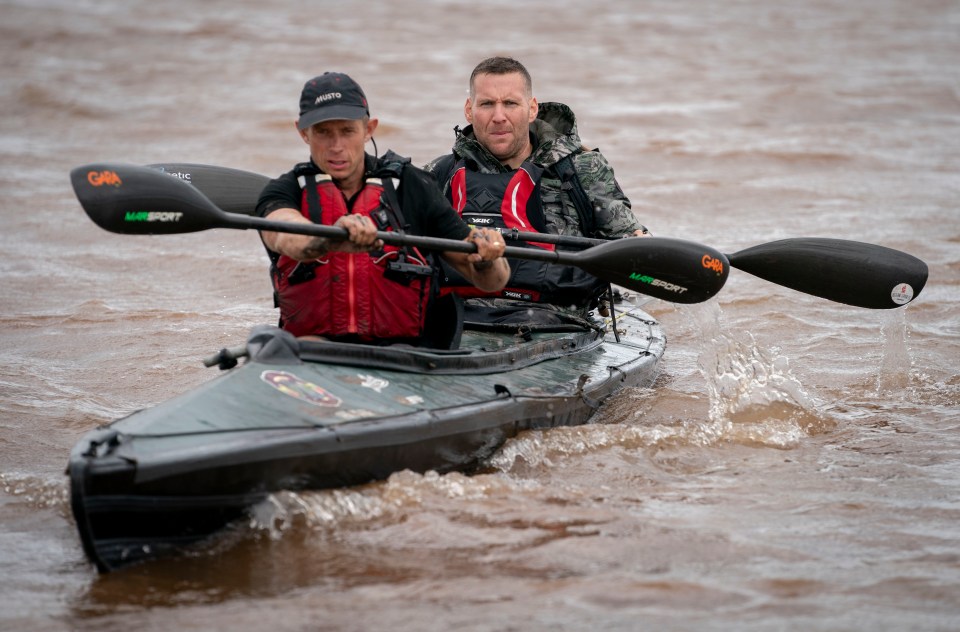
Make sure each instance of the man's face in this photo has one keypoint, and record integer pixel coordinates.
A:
(501, 111)
(337, 148)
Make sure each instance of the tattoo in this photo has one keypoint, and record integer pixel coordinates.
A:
(317, 247)
(483, 265)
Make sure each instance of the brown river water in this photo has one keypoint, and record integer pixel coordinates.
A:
(797, 465)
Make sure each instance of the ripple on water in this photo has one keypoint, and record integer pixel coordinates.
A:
(36, 491)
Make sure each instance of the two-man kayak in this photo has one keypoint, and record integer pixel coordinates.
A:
(312, 414)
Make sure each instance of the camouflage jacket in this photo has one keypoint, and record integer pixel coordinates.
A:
(554, 135)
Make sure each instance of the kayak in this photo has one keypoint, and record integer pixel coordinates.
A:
(310, 414)
(297, 414)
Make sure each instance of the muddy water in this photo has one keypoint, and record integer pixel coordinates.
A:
(796, 466)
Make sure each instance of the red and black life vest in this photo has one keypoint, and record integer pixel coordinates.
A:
(506, 201)
(370, 296)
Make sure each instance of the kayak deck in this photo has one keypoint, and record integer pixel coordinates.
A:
(313, 415)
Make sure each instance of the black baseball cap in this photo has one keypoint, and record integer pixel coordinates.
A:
(329, 97)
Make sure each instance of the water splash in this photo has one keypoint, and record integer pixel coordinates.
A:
(754, 397)
(896, 364)
(387, 500)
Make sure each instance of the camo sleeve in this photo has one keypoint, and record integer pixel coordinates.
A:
(614, 216)
(432, 165)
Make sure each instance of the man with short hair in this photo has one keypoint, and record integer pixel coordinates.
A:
(359, 290)
(521, 165)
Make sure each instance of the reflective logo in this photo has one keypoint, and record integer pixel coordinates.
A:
(103, 178)
(290, 384)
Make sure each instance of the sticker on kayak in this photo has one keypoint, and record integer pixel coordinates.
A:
(290, 384)
(367, 381)
(902, 294)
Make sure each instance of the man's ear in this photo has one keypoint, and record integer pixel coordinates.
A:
(534, 109)
(302, 132)
(371, 127)
(468, 110)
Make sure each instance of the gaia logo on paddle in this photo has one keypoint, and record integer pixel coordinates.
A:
(649, 280)
(152, 216)
(290, 384)
(902, 294)
(104, 178)
(710, 263)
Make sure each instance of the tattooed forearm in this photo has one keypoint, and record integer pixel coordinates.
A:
(317, 247)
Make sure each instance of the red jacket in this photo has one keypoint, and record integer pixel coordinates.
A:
(350, 294)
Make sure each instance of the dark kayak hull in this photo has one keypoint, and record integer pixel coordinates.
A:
(321, 415)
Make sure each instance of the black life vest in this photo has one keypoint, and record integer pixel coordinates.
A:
(506, 201)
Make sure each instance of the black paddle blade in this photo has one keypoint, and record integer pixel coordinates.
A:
(232, 190)
(849, 272)
(135, 200)
(674, 270)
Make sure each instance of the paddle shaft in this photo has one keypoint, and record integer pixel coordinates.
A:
(439, 244)
(236, 191)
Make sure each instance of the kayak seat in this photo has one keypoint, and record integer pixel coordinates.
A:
(516, 317)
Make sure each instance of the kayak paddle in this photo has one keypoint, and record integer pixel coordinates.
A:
(232, 190)
(849, 272)
(136, 200)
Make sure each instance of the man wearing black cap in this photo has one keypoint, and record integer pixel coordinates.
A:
(360, 290)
